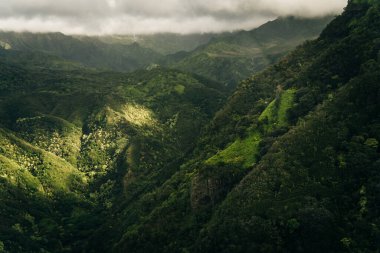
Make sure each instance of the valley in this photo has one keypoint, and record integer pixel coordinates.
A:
(250, 141)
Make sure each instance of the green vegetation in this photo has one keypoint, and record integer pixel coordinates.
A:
(159, 160)
(65, 133)
(91, 52)
(180, 89)
(240, 152)
(275, 115)
(163, 43)
(18, 176)
(225, 58)
(245, 151)
(231, 58)
(300, 195)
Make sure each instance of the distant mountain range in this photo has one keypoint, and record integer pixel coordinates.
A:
(164, 43)
(231, 58)
(226, 58)
(90, 53)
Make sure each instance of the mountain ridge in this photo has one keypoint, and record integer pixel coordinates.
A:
(232, 58)
(237, 54)
(161, 160)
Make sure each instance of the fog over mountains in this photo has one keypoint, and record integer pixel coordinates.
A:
(150, 16)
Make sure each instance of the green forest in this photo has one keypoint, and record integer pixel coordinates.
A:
(262, 141)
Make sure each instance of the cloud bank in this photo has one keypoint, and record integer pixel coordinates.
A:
(153, 16)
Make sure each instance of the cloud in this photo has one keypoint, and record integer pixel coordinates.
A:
(150, 16)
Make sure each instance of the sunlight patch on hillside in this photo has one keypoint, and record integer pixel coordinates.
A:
(5, 45)
(138, 115)
(242, 151)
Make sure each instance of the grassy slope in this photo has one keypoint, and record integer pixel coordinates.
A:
(275, 115)
(18, 176)
(53, 172)
(246, 150)
(242, 151)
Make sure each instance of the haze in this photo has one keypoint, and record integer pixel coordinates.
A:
(97, 17)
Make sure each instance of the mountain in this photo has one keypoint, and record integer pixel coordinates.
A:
(66, 133)
(163, 43)
(289, 164)
(160, 160)
(89, 52)
(226, 58)
(231, 58)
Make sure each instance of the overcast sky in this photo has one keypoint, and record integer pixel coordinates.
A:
(150, 16)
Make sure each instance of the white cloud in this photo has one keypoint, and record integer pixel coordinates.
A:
(147, 16)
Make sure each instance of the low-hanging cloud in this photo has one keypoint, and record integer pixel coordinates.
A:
(152, 16)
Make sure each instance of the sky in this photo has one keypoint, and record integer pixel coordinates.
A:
(99, 17)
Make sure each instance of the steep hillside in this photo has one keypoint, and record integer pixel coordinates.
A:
(90, 52)
(290, 164)
(232, 58)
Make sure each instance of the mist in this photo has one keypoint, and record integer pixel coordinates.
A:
(99, 17)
